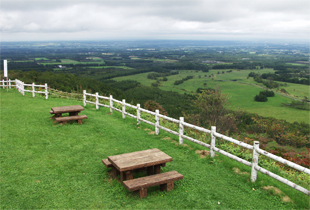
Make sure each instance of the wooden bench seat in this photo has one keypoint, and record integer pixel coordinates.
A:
(165, 180)
(107, 163)
(77, 118)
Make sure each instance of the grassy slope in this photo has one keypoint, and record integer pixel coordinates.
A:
(241, 95)
(46, 165)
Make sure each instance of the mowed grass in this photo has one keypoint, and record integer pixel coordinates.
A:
(240, 92)
(52, 166)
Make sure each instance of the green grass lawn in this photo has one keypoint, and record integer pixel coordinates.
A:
(241, 92)
(52, 166)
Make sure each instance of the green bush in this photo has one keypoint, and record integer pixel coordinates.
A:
(267, 93)
(260, 98)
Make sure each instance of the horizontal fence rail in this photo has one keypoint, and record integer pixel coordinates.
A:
(212, 132)
(7, 83)
(21, 88)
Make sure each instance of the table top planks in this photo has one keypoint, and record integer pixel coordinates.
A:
(140, 159)
(65, 109)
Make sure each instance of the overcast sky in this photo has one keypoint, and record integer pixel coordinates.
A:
(30, 20)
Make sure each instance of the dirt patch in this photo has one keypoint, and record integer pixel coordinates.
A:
(166, 138)
(274, 189)
(277, 191)
(286, 199)
(237, 171)
(152, 132)
(202, 153)
(146, 129)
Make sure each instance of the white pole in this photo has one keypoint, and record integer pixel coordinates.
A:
(3, 83)
(254, 161)
(124, 109)
(156, 121)
(84, 97)
(10, 83)
(97, 101)
(5, 74)
(138, 114)
(33, 89)
(212, 152)
(181, 130)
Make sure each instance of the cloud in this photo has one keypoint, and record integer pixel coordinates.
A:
(186, 19)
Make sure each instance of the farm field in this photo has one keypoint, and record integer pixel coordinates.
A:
(105, 67)
(69, 61)
(241, 92)
(50, 166)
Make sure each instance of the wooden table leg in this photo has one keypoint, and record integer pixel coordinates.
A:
(150, 170)
(143, 192)
(157, 169)
(115, 171)
(167, 187)
(129, 175)
(74, 113)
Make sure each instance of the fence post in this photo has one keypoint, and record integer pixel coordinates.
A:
(111, 103)
(254, 161)
(84, 97)
(3, 83)
(97, 101)
(156, 121)
(138, 114)
(46, 91)
(181, 130)
(17, 85)
(10, 83)
(23, 88)
(213, 130)
(33, 94)
(124, 109)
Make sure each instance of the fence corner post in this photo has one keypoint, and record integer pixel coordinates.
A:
(111, 103)
(138, 114)
(181, 130)
(23, 88)
(124, 109)
(97, 101)
(33, 94)
(156, 121)
(212, 152)
(254, 161)
(46, 91)
(84, 97)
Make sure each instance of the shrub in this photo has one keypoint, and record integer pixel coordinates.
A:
(267, 93)
(260, 98)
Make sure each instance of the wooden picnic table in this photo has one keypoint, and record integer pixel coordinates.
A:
(126, 163)
(72, 110)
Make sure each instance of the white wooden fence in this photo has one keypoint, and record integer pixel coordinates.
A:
(212, 132)
(20, 86)
(5, 83)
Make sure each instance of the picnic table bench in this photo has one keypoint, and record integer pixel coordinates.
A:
(165, 180)
(152, 160)
(73, 111)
